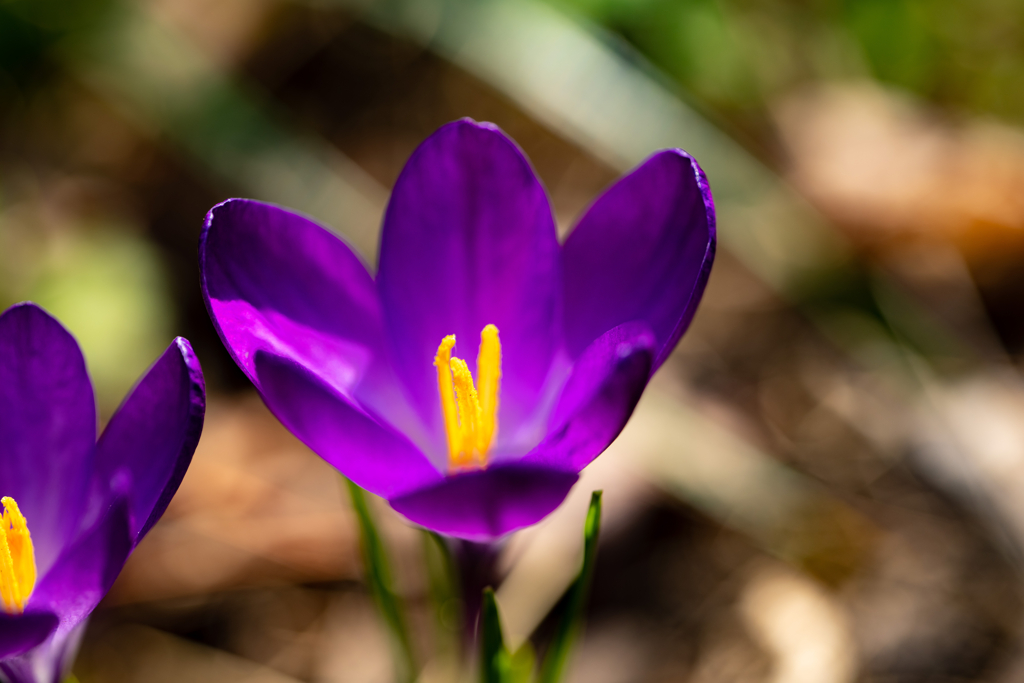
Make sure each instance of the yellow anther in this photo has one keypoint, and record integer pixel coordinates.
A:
(443, 361)
(488, 375)
(470, 418)
(17, 558)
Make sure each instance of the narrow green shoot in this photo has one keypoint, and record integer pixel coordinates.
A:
(494, 657)
(557, 655)
(444, 590)
(378, 576)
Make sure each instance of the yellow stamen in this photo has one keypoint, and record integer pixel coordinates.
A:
(443, 361)
(470, 418)
(8, 583)
(469, 411)
(488, 375)
(17, 558)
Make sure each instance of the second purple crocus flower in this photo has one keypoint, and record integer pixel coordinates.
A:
(75, 507)
(486, 364)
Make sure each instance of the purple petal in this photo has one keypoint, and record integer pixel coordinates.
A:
(484, 505)
(598, 398)
(371, 454)
(276, 281)
(47, 426)
(643, 251)
(469, 240)
(152, 436)
(87, 569)
(21, 632)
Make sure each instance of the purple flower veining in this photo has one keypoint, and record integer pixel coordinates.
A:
(351, 364)
(86, 503)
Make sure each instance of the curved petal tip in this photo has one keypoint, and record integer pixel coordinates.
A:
(642, 251)
(151, 438)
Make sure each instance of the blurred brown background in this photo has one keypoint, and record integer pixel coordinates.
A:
(824, 485)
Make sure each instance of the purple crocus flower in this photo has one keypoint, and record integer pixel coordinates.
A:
(76, 507)
(361, 368)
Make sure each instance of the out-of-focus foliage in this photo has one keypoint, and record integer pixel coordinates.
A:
(110, 291)
(105, 283)
(29, 31)
(734, 56)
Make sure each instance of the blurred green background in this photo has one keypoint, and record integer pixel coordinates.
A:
(824, 484)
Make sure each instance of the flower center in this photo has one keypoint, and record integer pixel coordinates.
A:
(470, 412)
(17, 559)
